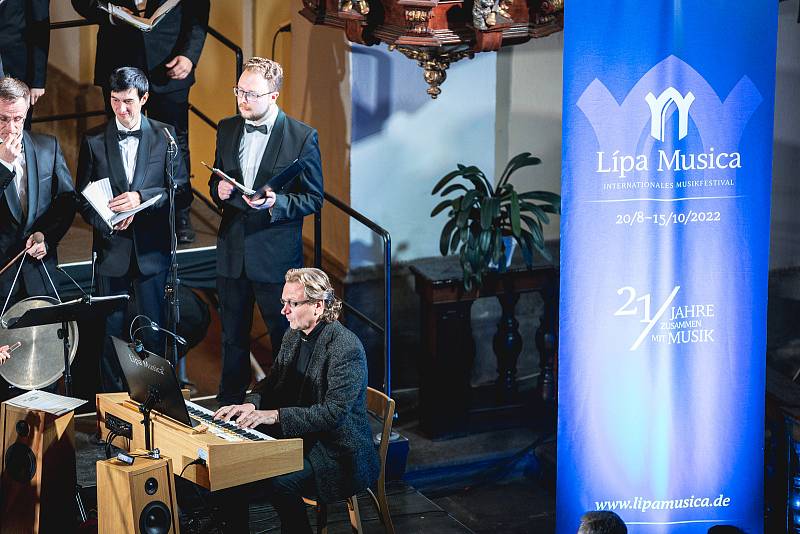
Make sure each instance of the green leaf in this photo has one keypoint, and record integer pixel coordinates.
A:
(535, 210)
(445, 239)
(453, 187)
(462, 218)
(544, 196)
(486, 215)
(498, 247)
(517, 162)
(485, 242)
(468, 200)
(445, 179)
(454, 240)
(526, 246)
(514, 214)
(440, 207)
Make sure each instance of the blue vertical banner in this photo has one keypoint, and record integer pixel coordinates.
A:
(667, 153)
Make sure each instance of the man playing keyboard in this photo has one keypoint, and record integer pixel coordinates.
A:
(316, 390)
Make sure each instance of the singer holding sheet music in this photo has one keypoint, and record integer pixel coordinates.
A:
(36, 195)
(259, 241)
(168, 55)
(131, 151)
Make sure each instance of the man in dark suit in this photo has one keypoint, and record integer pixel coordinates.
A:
(25, 44)
(131, 151)
(36, 195)
(167, 55)
(316, 390)
(260, 240)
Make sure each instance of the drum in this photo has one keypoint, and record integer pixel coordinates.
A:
(40, 360)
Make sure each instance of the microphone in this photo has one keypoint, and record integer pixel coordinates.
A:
(156, 328)
(170, 139)
(65, 273)
(94, 260)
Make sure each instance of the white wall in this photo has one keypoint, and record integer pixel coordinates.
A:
(529, 87)
(403, 142)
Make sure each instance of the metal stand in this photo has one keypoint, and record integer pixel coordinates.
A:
(63, 334)
(153, 398)
(173, 282)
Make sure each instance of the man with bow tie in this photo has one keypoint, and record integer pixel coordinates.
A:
(168, 55)
(259, 240)
(131, 151)
(36, 195)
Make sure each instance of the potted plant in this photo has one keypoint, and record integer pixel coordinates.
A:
(482, 215)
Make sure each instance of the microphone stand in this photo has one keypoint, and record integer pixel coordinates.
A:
(173, 282)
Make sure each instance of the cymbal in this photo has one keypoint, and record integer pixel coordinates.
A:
(39, 362)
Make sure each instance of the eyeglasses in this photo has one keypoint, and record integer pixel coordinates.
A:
(294, 303)
(248, 96)
(16, 120)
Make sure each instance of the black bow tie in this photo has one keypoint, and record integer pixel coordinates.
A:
(124, 135)
(250, 128)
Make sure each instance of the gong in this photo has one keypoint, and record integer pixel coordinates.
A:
(40, 360)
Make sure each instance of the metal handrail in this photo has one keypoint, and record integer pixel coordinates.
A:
(387, 282)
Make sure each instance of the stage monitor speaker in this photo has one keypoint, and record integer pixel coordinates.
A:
(37, 484)
(138, 498)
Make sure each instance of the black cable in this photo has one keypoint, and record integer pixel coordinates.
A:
(281, 29)
(109, 440)
(196, 461)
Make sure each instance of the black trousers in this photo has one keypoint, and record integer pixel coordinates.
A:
(148, 292)
(236, 298)
(285, 493)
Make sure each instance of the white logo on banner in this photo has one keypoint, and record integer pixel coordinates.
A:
(659, 107)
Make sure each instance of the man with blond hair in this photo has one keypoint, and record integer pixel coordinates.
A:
(259, 240)
(316, 390)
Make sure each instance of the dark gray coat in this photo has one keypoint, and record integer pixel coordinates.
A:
(335, 428)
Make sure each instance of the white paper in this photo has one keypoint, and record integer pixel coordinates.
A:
(142, 23)
(241, 187)
(46, 402)
(99, 193)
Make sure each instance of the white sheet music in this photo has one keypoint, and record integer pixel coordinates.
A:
(46, 402)
(142, 23)
(99, 193)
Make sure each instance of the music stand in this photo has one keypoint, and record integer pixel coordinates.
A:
(152, 383)
(64, 313)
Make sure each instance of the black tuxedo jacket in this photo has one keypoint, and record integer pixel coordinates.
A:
(25, 40)
(264, 244)
(51, 202)
(182, 32)
(147, 238)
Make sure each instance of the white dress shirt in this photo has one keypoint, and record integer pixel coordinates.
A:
(19, 168)
(128, 148)
(253, 145)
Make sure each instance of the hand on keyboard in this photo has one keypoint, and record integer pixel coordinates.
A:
(234, 410)
(258, 417)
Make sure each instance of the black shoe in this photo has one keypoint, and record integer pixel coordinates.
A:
(184, 231)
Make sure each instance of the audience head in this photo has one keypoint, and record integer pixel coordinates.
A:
(129, 92)
(258, 87)
(15, 98)
(725, 529)
(602, 523)
(308, 298)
